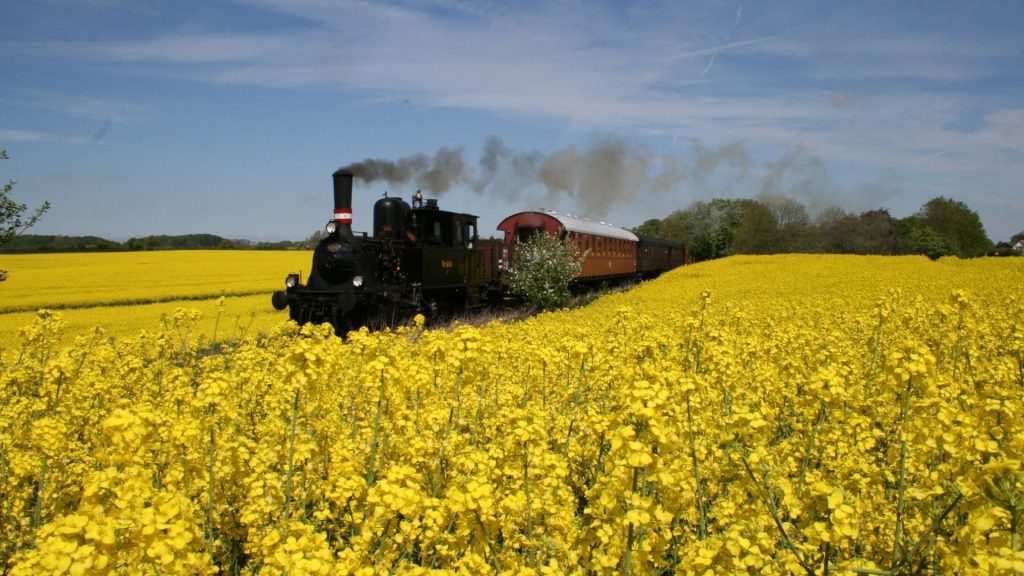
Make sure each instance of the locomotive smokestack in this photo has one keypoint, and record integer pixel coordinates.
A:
(343, 201)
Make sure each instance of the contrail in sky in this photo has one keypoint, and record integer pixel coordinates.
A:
(716, 49)
(710, 62)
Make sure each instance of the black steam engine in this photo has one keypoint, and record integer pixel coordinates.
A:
(420, 259)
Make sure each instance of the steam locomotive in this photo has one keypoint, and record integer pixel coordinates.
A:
(421, 259)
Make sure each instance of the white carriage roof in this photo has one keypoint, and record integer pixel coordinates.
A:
(583, 226)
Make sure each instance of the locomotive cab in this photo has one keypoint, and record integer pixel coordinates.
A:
(439, 253)
(432, 226)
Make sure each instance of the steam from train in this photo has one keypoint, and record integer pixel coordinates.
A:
(598, 176)
(611, 171)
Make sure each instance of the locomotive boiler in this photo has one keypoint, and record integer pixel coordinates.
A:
(419, 259)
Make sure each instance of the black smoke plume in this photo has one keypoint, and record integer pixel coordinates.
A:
(597, 177)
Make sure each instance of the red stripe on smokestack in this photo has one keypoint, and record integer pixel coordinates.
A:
(343, 201)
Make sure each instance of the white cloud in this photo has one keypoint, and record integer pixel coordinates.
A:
(595, 68)
(103, 109)
(24, 136)
(876, 94)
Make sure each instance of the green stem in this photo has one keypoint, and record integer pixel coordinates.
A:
(875, 354)
(529, 506)
(700, 337)
(627, 561)
(810, 448)
(371, 465)
(216, 323)
(37, 508)
(869, 571)
(291, 456)
(901, 487)
(959, 332)
(762, 492)
(934, 529)
(439, 469)
(211, 459)
(702, 527)
(492, 555)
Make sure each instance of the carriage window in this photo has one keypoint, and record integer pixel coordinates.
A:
(524, 233)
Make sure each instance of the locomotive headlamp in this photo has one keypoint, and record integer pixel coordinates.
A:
(292, 280)
(332, 226)
(357, 281)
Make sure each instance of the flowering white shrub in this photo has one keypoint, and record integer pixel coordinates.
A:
(542, 269)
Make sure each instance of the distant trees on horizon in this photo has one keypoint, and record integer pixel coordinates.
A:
(32, 243)
(777, 224)
(711, 229)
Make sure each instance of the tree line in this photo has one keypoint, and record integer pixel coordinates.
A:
(34, 243)
(775, 225)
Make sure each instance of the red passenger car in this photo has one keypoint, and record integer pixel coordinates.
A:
(611, 252)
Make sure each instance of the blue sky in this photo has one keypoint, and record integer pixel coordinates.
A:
(143, 117)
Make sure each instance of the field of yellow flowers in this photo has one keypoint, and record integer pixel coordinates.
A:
(761, 415)
(126, 292)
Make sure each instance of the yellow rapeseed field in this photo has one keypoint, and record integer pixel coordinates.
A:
(102, 279)
(754, 415)
(126, 292)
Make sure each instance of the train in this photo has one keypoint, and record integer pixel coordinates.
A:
(422, 259)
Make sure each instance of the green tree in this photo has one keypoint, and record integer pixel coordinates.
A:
(879, 232)
(758, 231)
(12, 219)
(713, 229)
(542, 269)
(707, 228)
(676, 226)
(920, 238)
(650, 227)
(871, 232)
(958, 227)
(793, 223)
(836, 230)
